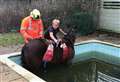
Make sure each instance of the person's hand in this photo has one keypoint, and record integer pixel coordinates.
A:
(29, 38)
(65, 33)
(56, 41)
(59, 40)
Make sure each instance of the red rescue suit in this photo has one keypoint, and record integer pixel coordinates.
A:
(31, 29)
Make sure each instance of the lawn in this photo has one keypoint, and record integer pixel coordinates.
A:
(7, 39)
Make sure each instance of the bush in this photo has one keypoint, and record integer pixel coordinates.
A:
(82, 22)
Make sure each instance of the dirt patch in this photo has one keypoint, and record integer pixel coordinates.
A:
(102, 36)
(10, 49)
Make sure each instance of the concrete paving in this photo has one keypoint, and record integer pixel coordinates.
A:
(8, 75)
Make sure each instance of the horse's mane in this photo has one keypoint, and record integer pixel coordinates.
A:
(69, 39)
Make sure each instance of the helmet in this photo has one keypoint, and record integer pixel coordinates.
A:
(35, 14)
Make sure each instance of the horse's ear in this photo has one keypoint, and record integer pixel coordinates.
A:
(74, 28)
(71, 31)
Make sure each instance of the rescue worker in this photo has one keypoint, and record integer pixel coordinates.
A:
(50, 34)
(32, 26)
(53, 30)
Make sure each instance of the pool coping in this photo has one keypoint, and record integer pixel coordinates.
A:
(18, 69)
(30, 76)
(97, 41)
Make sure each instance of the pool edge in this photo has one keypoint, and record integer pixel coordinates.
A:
(97, 41)
(30, 76)
(18, 69)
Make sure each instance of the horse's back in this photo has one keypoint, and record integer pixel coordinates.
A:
(33, 52)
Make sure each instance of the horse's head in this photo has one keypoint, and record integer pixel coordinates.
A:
(69, 38)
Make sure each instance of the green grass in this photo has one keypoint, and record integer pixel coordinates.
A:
(8, 39)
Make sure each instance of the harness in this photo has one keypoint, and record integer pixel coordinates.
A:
(66, 52)
(48, 56)
(30, 24)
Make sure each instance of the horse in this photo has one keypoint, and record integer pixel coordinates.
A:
(32, 53)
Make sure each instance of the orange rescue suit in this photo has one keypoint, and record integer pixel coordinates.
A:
(31, 29)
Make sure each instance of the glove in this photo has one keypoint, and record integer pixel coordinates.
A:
(56, 41)
(65, 33)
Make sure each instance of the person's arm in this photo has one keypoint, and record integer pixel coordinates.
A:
(23, 30)
(41, 34)
(24, 33)
(62, 31)
(52, 37)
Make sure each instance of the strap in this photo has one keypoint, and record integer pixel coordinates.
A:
(30, 24)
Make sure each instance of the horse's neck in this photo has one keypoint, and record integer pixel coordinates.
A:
(68, 44)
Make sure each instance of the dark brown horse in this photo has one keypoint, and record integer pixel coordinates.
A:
(33, 52)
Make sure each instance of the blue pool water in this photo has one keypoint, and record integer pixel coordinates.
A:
(98, 47)
(93, 62)
(107, 53)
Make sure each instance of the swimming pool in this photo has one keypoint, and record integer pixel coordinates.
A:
(91, 55)
(97, 50)
(92, 50)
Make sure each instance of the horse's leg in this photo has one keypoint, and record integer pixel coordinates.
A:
(22, 55)
(25, 56)
(44, 65)
(69, 62)
(48, 56)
